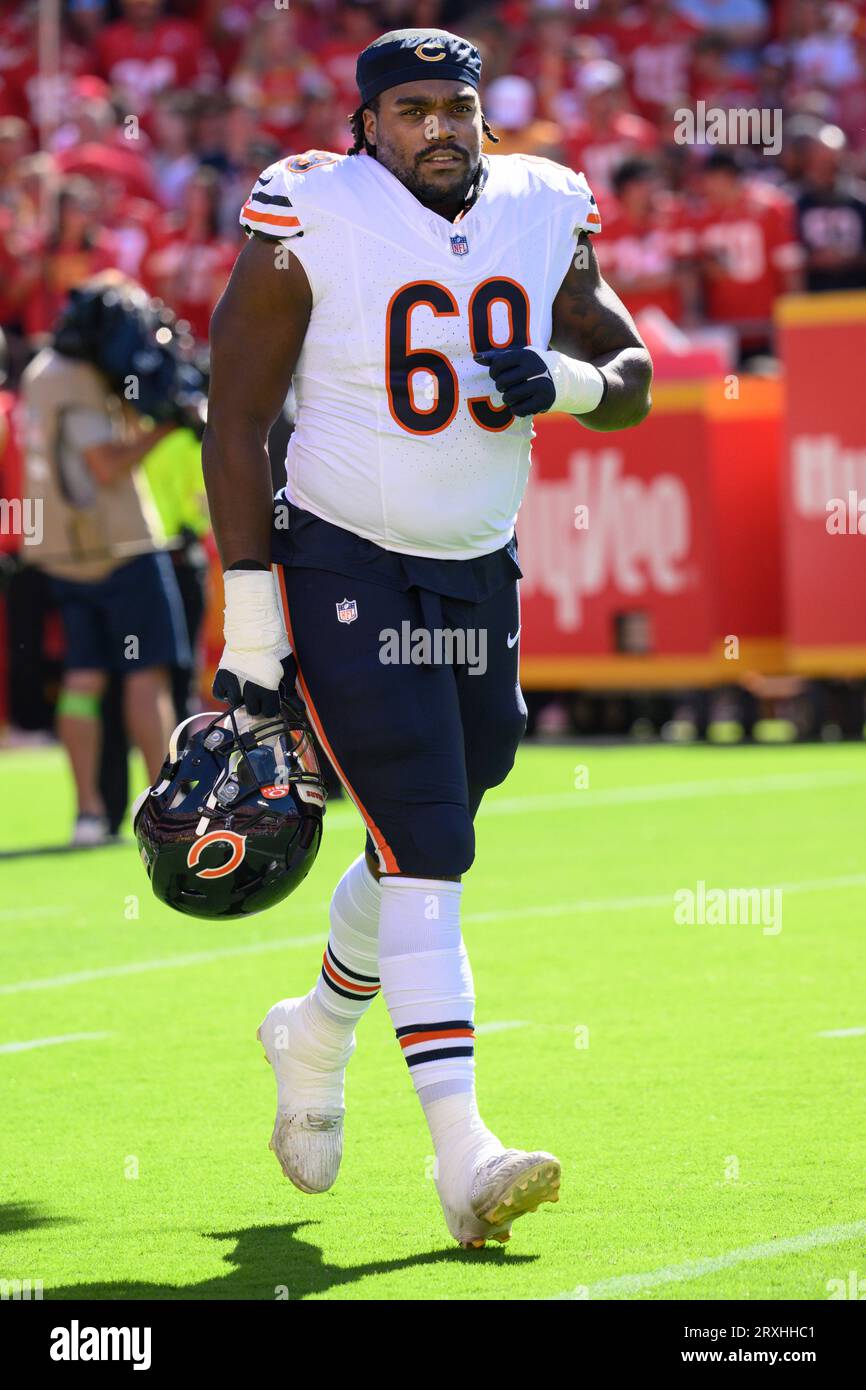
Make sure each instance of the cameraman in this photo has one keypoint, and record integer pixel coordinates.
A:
(116, 590)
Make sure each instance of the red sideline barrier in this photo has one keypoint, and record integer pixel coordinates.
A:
(679, 551)
(823, 349)
(706, 524)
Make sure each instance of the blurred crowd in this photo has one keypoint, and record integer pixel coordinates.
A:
(139, 150)
(131, 132)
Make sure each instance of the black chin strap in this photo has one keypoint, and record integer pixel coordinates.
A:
(477, 185)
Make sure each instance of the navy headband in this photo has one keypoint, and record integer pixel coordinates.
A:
(405, 55)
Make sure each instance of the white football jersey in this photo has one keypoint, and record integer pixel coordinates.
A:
(401, 436)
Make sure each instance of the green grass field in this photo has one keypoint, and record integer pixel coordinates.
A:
(711, 1137)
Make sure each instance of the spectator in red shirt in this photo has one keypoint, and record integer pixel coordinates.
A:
(274, 74)
(323, 125)
(608, 134)
(748, 250)
(655, 46)
(15, 142)
(132, 225)
(547, 59)
(75, 249)
(27, 90)
(647, 243)
(715, 81)
(27, 190)
(192, 264)
(91, 143)
(175, 160)
(247, 152)
(336, 58)
(146, 52)
(16, 32)
(227, 24)
(84, 20)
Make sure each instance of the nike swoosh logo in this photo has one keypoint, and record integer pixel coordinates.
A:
(511, 640)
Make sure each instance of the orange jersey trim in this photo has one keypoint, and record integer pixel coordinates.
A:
(270, 217)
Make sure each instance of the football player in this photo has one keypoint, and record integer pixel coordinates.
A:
(426, 300)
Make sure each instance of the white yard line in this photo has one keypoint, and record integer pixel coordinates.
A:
(15, 914)
(52, 1042)
(806, 885)
(346, 817)
(842, 1033)
(575, 905)
(672, 791)
(110, 972)
(501, 1027)
(341, 817)
(561, 909)
(624, 1285)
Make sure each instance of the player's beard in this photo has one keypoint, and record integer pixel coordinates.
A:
(430, 190)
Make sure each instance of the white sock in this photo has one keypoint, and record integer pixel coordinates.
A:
(428, 988)
(349, 979)
(461, 1139)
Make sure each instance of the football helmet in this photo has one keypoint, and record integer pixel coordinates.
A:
(234, 821)
(117, 327)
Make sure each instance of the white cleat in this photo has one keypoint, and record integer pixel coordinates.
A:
(308, 1129)
(501, 1188)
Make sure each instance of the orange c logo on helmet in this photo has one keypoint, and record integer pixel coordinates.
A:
(238, 845)
(429, 57)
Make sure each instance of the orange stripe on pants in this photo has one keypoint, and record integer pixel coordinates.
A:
(387, 863)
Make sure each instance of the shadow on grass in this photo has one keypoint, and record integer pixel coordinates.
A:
(26, 1216)
(40, 851)
(271, 1262)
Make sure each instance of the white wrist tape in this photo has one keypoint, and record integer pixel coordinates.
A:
(579, 385)
(254, 630)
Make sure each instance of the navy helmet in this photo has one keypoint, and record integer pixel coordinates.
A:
(234, 821)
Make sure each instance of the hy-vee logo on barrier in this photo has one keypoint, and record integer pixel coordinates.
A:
(601, 528)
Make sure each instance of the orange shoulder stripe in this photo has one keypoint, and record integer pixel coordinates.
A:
(270, 217)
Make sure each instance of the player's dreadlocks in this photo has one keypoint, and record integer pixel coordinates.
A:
(356, 122)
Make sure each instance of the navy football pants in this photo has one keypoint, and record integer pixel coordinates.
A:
(415, 745)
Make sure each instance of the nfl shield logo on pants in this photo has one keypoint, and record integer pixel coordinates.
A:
(459, 245)
(347, 611)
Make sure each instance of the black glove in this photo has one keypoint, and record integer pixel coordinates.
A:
(522, 377)
(258, 699)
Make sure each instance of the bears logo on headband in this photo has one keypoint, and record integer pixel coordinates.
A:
(429, 57)
(395, 58)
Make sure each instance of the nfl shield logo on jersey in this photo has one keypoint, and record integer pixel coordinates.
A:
(347, 611)
(459, 245)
